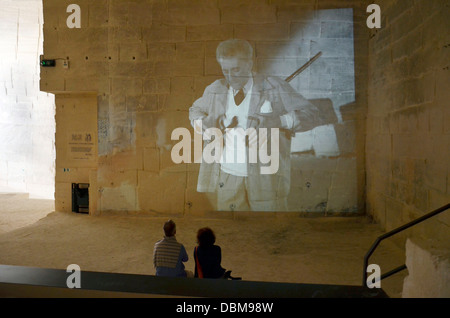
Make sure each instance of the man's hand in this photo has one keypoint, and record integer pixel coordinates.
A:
(222, 121)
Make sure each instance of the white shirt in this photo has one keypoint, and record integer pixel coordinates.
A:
(234, 157)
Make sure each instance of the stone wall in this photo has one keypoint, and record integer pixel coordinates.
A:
(428, 270)
(408, 131)
(76, 144)
(147, 61)
(27, 124)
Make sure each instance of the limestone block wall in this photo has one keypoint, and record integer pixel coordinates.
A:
(428, 270)
(148, 61)
(27, 123)
(408, 131)
(76, 144)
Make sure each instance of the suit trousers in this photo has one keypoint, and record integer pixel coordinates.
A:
(233, 195)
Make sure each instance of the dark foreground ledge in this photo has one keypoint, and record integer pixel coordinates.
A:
(20, 281)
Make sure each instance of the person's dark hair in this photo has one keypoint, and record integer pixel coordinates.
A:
(205, 237)
(169, 228)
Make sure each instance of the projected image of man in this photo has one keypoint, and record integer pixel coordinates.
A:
(242, 101)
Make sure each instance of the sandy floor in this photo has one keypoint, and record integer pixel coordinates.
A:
(326, 250)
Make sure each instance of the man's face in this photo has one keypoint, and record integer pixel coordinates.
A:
(237, 71)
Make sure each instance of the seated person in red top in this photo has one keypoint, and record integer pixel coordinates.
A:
(208, 257)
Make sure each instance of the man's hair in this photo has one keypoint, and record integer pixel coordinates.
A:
(234, 48)
(169, 228)
(206, 237)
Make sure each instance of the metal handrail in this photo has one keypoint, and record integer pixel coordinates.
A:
(393, 232)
